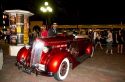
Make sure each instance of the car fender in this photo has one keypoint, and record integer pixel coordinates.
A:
(23, 53)
(54, 63)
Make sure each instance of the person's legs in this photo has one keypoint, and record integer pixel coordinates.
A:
(118, 48)
(107, 45)
(121, 48)
(100, 45)
(111, 52)
(8, 39)
(106, 51)
(96, 44)
(111, 48)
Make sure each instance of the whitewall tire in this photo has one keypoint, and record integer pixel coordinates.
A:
(63, 70)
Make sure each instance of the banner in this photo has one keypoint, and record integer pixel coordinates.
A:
(12, 23)
(20, 28)
(26, 30)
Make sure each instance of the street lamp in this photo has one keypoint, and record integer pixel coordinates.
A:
(45, 9)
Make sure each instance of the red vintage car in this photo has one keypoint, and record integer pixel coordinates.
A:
(54, 55)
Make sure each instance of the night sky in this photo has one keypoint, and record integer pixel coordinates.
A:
(73, 11)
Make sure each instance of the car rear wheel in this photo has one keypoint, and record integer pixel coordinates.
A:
(63, 70)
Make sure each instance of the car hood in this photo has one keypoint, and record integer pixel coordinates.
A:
(58, 40)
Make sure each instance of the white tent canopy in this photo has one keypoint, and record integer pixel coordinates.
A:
(19, 12)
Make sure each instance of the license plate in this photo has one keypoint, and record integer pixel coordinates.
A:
(41, 67)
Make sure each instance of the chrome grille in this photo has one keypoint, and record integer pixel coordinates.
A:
(36, 52)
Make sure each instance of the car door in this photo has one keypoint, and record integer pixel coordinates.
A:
(77, 49)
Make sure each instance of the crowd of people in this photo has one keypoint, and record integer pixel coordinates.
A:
(117, 37)
(96, 37)
(44, 32)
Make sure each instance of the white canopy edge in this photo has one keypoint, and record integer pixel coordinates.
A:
(18, 12)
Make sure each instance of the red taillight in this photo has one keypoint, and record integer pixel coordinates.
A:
(88, 50)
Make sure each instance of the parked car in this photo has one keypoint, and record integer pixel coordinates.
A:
(54, 55)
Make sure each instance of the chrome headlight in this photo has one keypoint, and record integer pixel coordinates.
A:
(40, 45)
(45, 49)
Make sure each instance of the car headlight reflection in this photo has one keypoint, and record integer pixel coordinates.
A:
(45, 49)
(40, 45)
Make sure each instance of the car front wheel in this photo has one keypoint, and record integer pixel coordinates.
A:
(63, 70)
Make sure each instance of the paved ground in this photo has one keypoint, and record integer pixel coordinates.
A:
(101, 68)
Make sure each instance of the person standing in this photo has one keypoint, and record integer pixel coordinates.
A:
(30, 37)
(8, 36)
(44, 32)
(52, 32)
(109, 42)
(98, 40)
(94, 37)
(119, 41)
(1, 34)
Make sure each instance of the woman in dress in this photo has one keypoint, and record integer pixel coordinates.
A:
(109, 42)
(44, 32)
(119, 41)
(98, 40)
